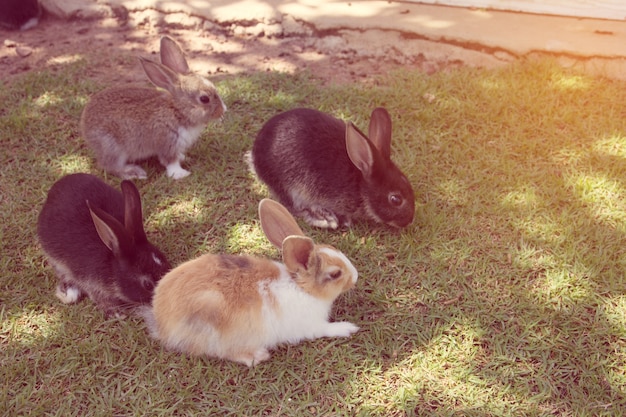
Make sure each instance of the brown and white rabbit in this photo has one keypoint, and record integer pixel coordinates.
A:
(328, 172)
(239, 307)
(93, 237)
(126, 125)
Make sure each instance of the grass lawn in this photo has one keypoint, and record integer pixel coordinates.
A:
(505, 297)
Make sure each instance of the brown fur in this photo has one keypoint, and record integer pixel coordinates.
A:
(221, 290)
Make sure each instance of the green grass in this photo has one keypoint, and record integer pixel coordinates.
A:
(505, 297)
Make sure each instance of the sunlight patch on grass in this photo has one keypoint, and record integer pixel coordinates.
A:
(30, 326)
(568, 156)
(73, 163)
(47, 99)
(615, 311)
(529, 257)
(451, 252)
(454, 192)
(445, 372)
(191, 207)
(570, 81)
(245, 238)
(281, 98)
(603, 195)
(65, 59)
(524, 197)
(562, 288)
(492, 84)
(614, 145)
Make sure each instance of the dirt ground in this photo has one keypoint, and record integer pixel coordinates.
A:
(111, 44)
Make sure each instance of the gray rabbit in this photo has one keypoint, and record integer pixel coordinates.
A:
(125, 125)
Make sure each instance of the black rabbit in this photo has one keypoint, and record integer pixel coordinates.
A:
(328, 172)
(94, 238)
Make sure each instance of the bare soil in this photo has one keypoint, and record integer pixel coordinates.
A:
(110, 45)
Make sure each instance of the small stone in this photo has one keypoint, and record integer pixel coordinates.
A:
(24, 51)
(429, 97)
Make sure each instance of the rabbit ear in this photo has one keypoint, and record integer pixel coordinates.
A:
(277, 223)
(297, 252)
(160, 75)
(359, 149)
(380, 131)
(111, 232)
(172, 56)
(133, 217)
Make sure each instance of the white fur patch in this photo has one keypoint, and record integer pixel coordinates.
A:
(70, 296)
(188, 136)
(31, 23)
(291, 315)
(175, 171)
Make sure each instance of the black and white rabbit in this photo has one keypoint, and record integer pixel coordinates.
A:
(93, 236)
(240, 307)
(19, 14)
(328, 172)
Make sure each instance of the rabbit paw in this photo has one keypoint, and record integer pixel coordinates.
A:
(68, 293)
(112, 313)
(252, 358)
(320, 217)
(131, 172)
(175, 171)
(341, 329)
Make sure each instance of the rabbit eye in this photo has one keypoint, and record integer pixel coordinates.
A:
(395, 200)
(205, 99)
(335, 274)
(147, 283)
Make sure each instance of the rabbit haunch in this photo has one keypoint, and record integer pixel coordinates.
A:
(126, 125)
